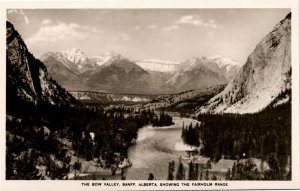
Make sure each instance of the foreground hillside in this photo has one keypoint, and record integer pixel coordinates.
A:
(51, 136)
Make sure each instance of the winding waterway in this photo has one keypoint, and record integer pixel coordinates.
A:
(154, 149)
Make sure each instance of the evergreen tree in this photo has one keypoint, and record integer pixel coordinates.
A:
(214, 177)
(206, 175)
(171, 170)
(180, 172)
(196, 171)
(191, 171)
(233, 172)
(151, 176)
(228, 174)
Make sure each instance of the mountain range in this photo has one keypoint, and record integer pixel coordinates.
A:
(114, 73)
(264, 80)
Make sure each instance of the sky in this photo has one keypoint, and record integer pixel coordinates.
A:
(166, 34)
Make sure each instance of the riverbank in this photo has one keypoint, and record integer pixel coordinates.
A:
(155, 147)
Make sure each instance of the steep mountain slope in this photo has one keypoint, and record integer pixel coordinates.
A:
(265, 76)
(118, 76)
(43, 125)
(27, 77)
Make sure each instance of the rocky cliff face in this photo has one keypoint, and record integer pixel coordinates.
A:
(27, 77)
(265, 76)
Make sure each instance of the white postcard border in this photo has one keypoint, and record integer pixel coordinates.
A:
(144, 4)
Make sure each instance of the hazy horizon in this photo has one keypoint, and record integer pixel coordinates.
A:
(166, 34)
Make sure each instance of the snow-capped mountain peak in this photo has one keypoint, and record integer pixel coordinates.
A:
(106, 57)
(223, 61)
(75, 55)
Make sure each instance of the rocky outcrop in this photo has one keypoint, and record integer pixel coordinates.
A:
(265, 76)
(27, 77)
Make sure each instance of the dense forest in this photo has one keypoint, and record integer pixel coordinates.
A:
(244, 169)
(236, 136)
(265, 135)
(33, 131)
(247, 170)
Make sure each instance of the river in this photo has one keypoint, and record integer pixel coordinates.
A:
(154, 149)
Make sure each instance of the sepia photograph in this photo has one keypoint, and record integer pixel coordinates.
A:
(112, 95)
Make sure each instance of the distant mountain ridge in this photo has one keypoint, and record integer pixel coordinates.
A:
(114, 73)
(265, 77)
(198, 73)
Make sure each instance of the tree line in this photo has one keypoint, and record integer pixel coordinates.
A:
(247, 170)
(163, 120)
(191, 134)
(195, 171)
(235, 136)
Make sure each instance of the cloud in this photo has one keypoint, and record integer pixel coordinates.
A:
(171, 28)
(124, 36)
(121, 37)
(46, 22)
(196, 21)
(193, 20)
(152, 26)
(18, 13)
(56, 31)
(189, 19)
